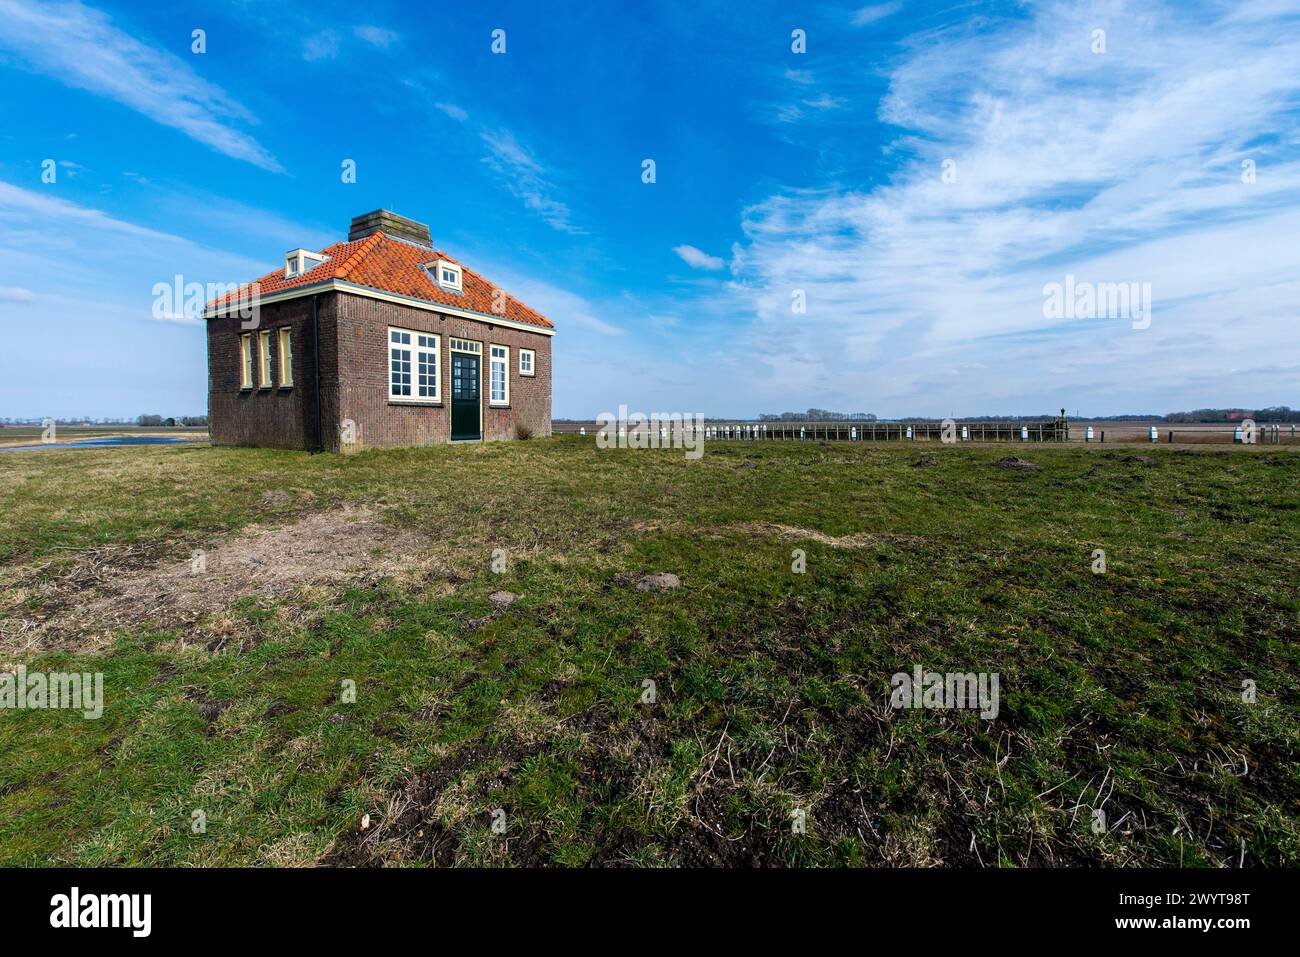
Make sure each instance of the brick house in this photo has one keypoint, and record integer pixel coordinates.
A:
(380, 341)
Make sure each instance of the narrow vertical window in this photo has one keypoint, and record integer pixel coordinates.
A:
(500, 381)
(264, 353)
(286, 356)
(527, 358)
(426, 367)
(246, 365)
(399, 364)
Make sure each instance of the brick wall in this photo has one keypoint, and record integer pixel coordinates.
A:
(363, 325)
(282, 416)
(354, 378)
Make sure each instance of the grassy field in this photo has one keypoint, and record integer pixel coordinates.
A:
(229, 733)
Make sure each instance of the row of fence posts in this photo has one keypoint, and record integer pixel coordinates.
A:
(853, 433)
(1272, 434)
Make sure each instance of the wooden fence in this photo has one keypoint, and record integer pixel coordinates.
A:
(1050, 431)
(1053, 430)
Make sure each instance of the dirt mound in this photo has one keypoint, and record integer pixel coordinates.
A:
(1016, 462)
(85, 604)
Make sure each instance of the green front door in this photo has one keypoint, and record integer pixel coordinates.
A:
(464, 396)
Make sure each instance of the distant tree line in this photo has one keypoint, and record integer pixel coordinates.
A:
(818, 415)
(1274, 413)
(148, 420)
(171, 421)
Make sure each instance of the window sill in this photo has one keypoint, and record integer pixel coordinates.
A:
(264, 388)
(421, 403)
(498, 405)
(527, 375)
(286, 388)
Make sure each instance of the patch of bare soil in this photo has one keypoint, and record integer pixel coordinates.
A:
(106, 590)
(792, 533)
(1016, 462)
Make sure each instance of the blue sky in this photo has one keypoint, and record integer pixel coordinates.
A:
(779, 175)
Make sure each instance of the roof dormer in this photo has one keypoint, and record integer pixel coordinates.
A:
(299, 261)
(445, 275)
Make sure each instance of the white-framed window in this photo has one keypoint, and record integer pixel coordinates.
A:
(427, 356)
(286, 357)
(499, 379)
(264, 353)
(527, 362)
(414, 371)
(399, 364)
(246, 361)
(447, 275)
(299, 261)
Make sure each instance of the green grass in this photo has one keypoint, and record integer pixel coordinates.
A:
(1121, 689)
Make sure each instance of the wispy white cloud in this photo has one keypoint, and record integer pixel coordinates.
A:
(323, 45)
(376, 36)
(526, 178)
(28, 208)
(452, 110)
(91, 279)
(697, 258)
(874, 12)
(328, 44)
(1117, 167)
(82, 48)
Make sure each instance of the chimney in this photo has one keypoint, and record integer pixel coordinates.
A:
(386, 221)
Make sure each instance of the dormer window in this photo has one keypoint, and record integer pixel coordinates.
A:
(445, 275)
(299, 261)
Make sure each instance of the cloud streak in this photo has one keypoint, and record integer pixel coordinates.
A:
(80, 47)
(870, 14)
(1025, 156)
(697, 258)
(525, 177)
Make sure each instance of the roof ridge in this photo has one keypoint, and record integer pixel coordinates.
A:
(343, 269)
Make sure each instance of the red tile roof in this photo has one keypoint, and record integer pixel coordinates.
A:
(392, 266)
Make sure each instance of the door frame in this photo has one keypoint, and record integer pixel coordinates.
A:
(477, 352)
